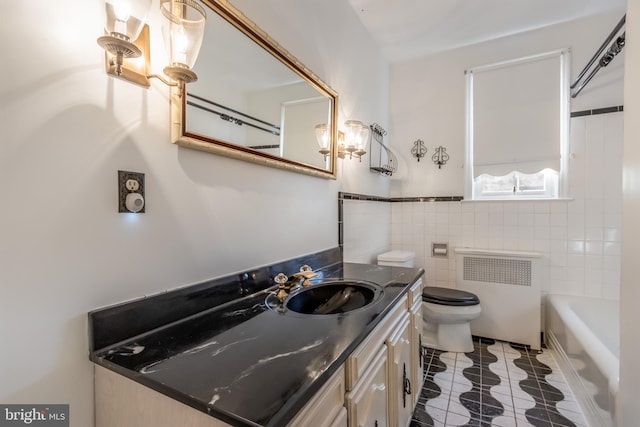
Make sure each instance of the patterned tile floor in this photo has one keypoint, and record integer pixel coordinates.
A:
(499, 384)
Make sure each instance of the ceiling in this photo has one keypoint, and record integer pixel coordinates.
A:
(407, 29)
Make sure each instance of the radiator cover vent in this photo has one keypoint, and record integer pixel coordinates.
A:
(497, 270)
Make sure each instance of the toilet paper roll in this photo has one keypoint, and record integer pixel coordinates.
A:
(439, 251)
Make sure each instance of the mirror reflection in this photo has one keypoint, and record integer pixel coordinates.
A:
(256, 100)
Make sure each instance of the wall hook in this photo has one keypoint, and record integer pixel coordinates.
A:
(440, 157)
(419, 150)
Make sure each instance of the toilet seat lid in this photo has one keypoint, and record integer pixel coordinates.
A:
(447, 296)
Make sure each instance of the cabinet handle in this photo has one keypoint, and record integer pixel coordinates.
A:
(406, 385)
(420, 355)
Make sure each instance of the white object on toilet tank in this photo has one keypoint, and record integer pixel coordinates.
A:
(397, 258)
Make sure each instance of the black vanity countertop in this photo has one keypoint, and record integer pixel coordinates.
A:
(248, 364)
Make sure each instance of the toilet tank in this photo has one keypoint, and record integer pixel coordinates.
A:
(397, 258)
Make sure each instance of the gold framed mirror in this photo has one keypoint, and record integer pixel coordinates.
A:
(254, 100)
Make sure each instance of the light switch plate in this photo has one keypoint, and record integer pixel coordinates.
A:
(123, 177)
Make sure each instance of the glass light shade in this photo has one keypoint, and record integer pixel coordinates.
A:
(356, 136)
(183, 30)
(125, 18)
(323, 138)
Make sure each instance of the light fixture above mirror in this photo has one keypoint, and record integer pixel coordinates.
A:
(127, 38)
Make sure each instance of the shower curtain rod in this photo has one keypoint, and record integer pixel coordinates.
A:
(271, 128)
(614, 49)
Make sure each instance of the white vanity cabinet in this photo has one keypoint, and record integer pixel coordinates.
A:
(361, 358)
(326, 408)
(367, 403)
(122, 402)
(372, 371)
(394, 345)
(417, 362)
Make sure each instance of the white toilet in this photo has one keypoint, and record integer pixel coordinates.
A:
(447, 314)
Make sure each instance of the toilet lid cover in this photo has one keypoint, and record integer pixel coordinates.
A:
(447, 296)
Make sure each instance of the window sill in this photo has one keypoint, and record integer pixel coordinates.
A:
(531, 199)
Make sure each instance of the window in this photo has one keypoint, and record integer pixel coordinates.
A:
(517, 125)
(543, 184)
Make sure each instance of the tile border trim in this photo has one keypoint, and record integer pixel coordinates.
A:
(355, 196)
(342, 196)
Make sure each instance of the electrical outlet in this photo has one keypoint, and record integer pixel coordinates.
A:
(129, 182)
(132, 185)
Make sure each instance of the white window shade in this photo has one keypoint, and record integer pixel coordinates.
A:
(516, 116)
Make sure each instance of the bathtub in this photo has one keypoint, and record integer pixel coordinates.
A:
(585, 333)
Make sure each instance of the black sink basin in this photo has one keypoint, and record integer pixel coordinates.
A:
(333, 297)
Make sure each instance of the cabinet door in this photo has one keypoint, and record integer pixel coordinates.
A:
(341, 419)
(367, 403)
(326, 406)
(122, 402)
(360, 360)
(401, 379)
(417, 362)
(415, 292)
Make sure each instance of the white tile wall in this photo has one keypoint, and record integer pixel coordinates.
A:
(579, 238)
(366, 230)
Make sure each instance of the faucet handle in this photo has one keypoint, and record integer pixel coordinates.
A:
(305, 274)
(281, 279)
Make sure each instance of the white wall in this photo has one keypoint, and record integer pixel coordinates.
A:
(366, 230)
(628, 408)
(68, 128)
(428, 97)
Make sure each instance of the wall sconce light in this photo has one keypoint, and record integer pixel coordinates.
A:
(323, 138)
(124, 23)
(355, 140)
(440, 157)
(419, 150)
(357, 147)
(183, 31)
(127, 38)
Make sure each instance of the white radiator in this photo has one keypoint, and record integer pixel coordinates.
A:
(507, 284)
